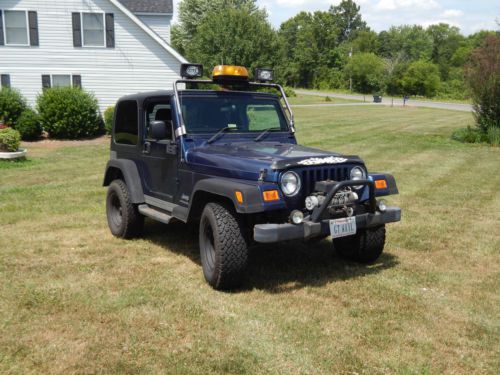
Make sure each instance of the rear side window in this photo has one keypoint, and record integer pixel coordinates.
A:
(127, 124)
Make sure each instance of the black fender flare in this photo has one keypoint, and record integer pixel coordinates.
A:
(130, 174)
(391, 184)
(226, 188)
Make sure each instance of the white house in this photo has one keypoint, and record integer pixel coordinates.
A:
(108, 47)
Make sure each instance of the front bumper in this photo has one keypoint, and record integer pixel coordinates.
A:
(270, 233)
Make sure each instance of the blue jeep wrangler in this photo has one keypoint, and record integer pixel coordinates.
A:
(222, 153)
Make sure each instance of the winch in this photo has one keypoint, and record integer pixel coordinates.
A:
(343, 200)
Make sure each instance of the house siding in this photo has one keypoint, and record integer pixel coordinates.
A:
(137, 63)
(159, 24)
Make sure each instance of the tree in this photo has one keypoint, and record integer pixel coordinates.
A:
(365, 41)
(412, 41)
(193, 12)
(348, 17)
(296, 50)
(367, 72)
(395, 69)
(421, 78)
(308, 49)
(483, 78)
(239, 35)
(446, 41)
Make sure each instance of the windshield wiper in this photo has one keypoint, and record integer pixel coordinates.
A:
(261, 136)
(216, 135)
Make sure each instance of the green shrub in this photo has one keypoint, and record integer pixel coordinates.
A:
(12, 105)
(68, 112)
(290, 92)
(469, 135)
(494, 136)
(108, 119)
(10, 139)
(482, 74)
(29, 125)
(328, 99)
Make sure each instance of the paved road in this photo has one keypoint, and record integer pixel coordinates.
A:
(397, 102)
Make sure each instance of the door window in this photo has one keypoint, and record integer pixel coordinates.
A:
(159, 112)
(127, 123)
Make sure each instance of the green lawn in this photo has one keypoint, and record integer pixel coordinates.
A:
(73, 299)
(313, 99)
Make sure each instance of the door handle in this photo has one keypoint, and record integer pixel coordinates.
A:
(146, 148)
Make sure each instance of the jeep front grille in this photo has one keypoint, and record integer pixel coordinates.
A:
(312, 174)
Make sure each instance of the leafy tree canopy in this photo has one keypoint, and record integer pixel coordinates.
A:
(193, 12)
(348, 17)
(367, 72)
(240, 35)
(422, 78)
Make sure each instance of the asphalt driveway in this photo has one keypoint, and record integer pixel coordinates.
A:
(395, 101)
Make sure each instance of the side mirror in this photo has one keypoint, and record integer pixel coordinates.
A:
(158, 130)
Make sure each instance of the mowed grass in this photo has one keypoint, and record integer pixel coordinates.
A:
(73, 299)
(313, 99)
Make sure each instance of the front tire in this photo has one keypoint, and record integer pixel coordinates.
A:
(124, 219)
(364, 247)
(223, 249)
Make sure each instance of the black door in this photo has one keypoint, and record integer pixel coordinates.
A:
(159, 156)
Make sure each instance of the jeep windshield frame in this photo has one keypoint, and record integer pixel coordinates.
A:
(209, 112)
(286, 108)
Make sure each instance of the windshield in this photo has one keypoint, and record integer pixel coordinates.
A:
(239, 113)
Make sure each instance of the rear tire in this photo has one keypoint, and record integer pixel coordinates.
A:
(223, 249)
(364, 247)
(124, 219)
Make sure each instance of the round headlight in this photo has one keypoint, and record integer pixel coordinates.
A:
(358, 173)
(290, 183)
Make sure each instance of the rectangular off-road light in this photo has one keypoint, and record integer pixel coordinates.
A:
(191, 71)
(264, 75)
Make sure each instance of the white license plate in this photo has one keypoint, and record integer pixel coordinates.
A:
(343, 227)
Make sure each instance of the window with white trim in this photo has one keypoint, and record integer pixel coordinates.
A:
(93, 30)
(61, 80)
(16, 27)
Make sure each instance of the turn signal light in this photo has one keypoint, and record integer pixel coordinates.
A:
(239, 196)
(271, 195)
(381, 184)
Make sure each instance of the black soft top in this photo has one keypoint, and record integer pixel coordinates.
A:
(143, 96)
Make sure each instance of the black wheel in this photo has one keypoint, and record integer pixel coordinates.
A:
(364, 247)
(124, 219)
(223, 249)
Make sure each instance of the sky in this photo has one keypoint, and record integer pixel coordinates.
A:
(469, 16)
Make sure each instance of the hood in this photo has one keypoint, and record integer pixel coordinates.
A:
(252, 157)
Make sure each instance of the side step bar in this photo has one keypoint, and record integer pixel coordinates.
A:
(162, 217)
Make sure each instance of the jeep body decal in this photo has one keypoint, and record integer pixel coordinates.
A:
(318, 161)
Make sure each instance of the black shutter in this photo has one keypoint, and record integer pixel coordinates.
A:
(5, 80)
(45, 81)
(33, 22)
(77, 30)
(2, 42)
(110, 30)
(77, 81)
